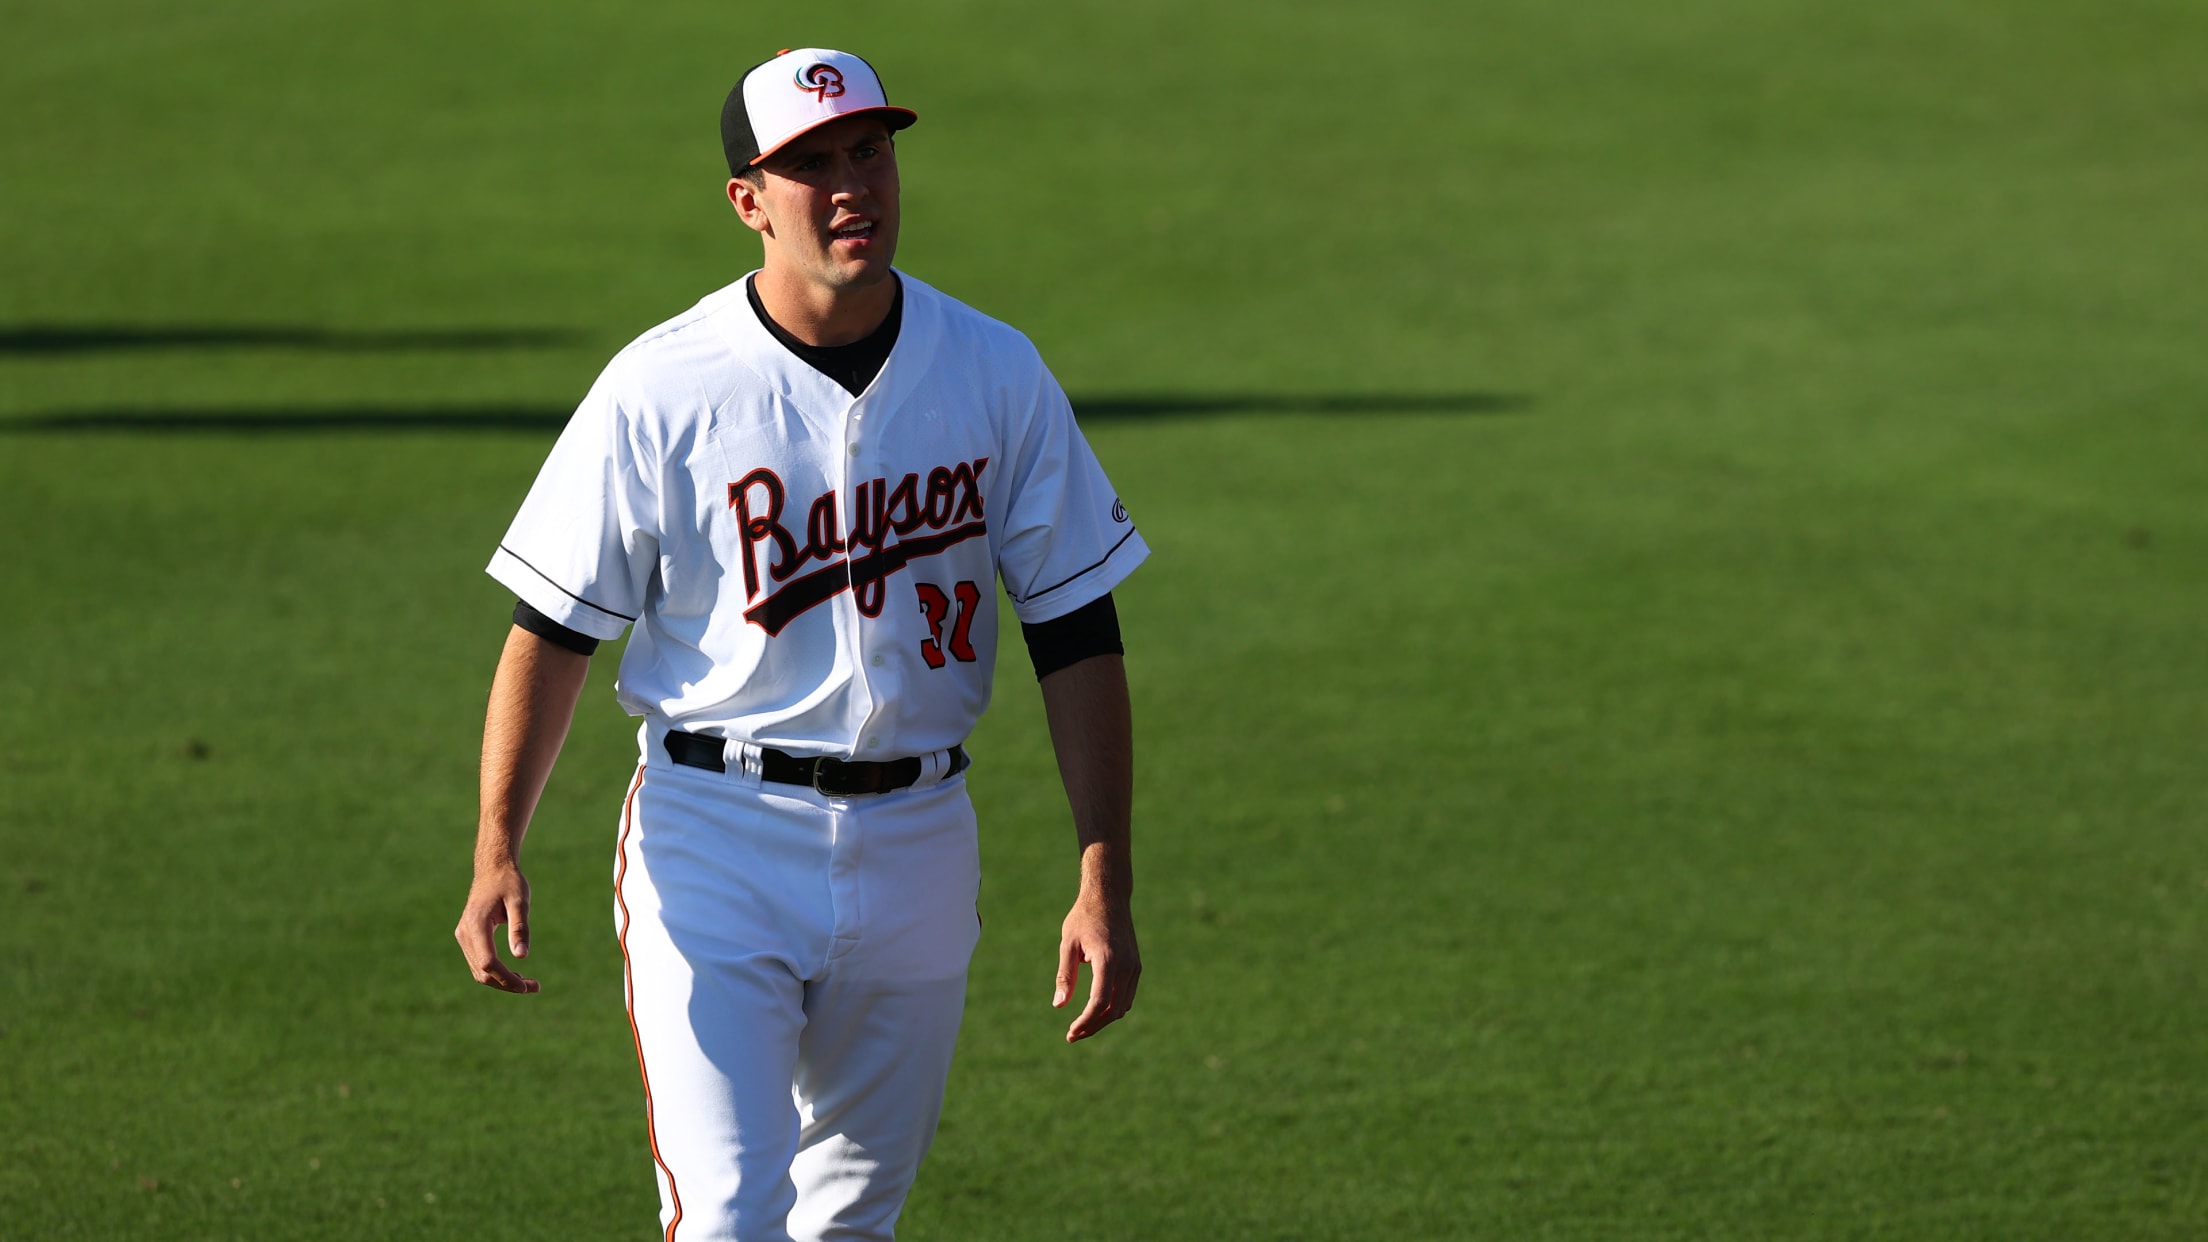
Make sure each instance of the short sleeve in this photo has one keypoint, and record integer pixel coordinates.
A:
(1067, 538)
(584, 546)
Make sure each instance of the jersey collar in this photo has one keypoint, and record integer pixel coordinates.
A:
(795, 380)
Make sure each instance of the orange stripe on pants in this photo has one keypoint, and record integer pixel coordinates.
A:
(628, 986)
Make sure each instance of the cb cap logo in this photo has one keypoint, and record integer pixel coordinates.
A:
(824, 81)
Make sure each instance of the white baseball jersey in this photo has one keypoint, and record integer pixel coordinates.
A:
(805, 569)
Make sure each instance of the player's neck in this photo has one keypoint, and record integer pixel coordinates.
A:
(823, 316)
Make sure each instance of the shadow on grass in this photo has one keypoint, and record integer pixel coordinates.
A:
(548, 419)
(55, 340)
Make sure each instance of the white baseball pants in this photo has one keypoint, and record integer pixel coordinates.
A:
(796, 969)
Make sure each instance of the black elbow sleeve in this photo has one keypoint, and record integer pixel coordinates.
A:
(1090, 630)
(552, 631)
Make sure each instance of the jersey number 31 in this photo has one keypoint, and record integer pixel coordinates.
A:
(938, 609)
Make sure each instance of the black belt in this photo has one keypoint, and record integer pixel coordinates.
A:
(835, 778)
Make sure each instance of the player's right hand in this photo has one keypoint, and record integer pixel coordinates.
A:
(498, 895)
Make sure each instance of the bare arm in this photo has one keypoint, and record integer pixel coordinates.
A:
(532, 704)
(1092, 730)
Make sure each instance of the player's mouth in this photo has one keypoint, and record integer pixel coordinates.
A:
(856, 233)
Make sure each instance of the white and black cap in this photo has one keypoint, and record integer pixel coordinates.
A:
(799, 90)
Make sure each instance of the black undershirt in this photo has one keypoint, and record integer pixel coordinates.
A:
(1090, 630)
(552, 631)
(854, 366)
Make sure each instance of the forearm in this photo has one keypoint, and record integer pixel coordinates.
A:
(532, 704)
(1092, 731)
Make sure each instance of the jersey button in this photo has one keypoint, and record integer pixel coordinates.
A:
(854, 450)
(880, 659)
(874, 743)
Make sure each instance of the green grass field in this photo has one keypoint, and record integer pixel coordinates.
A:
(1672, 688)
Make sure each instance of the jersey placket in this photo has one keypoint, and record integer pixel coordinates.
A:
(876, 666)
(846, 848)
(868, 665)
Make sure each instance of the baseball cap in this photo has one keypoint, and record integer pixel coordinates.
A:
(797, 91)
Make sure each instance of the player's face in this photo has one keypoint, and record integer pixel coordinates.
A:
(828, 208)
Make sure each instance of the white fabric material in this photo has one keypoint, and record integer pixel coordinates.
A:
(805, 88)
(796, 967)
(728, 494)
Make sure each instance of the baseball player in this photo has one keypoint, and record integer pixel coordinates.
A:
(800, 493)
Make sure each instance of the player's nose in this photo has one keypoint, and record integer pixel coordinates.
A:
(847, 183)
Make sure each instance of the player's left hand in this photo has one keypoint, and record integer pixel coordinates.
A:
(1101, 933)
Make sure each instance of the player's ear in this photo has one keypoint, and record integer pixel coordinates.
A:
(744, 197)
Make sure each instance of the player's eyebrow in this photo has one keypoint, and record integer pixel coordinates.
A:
(798, 151)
